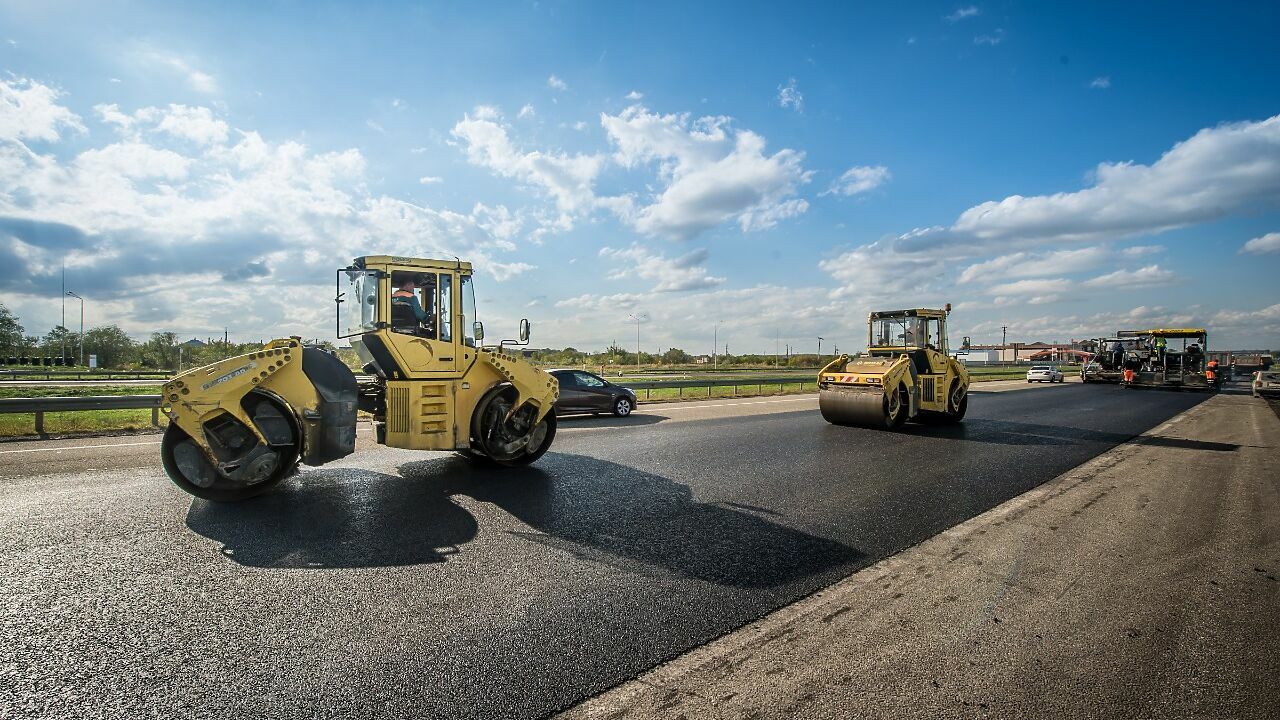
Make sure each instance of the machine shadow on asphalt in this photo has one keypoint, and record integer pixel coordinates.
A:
(639, 522)
(597, 510)
(338, 518)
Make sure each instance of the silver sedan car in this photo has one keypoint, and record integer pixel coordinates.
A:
(1044, 373)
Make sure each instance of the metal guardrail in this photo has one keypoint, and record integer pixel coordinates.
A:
(735, 383)
(57, 374)
(40, 406)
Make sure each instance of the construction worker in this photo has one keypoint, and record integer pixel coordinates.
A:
(1161, 344)
(405, 297)
(1211, 373)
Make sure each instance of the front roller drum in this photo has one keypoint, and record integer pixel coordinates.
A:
(863, 407)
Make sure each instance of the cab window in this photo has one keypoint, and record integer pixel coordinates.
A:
(413, 303)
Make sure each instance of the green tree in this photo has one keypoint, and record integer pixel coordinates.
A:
(676, 356)
(160, 352)
(12, 333)
(113, 347)
(58, 340)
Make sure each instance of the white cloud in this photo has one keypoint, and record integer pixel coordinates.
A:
(556, 83)
(375, 126)
(1268, 243)
(526, 111)
(172, 206)
(963, 12)
(1217, 172)
(30, 111)
(671, 274)
(790, 96)
(635, 95)
(1145, 277)
(430, 179)
(859, 179)
(993, 38)
(1100, 83)
(876, 273)
(1022, 264)
(197, 79)
(566, 178)
(712, 173)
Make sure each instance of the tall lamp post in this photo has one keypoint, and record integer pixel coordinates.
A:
(71, 294)
(819, 350)
(638, 318)
(715, 346)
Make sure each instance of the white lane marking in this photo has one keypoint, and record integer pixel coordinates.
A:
(738, 404)
(77, 447)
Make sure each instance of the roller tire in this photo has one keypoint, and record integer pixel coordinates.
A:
(173, 435)
(477, 452)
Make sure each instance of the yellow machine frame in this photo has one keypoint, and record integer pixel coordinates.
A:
(894, 383)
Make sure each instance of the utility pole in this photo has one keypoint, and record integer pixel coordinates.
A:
(71, 294)
(777, 336)
(64, 311)
(1004, 339)
(715, 346)
(819, 349)
(638, 318)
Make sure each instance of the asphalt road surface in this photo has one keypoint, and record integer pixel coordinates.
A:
(413, 584)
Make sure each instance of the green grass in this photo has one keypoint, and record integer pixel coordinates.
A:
(86, 391)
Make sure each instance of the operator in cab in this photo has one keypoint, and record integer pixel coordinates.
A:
(404, 301)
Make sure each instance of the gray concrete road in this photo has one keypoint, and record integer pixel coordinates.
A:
(1142, 584)
(400, 584)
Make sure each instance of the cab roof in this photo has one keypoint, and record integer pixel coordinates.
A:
(376, 261)
(915, 312)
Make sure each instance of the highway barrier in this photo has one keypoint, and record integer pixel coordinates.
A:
(62, 374)
(758, 383)
(40, 406)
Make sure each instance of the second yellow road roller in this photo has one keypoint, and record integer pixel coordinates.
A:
(905, 375)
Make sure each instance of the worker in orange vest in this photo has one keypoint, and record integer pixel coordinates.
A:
(1211, 373)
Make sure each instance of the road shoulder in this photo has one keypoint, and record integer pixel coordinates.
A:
(1142, 583)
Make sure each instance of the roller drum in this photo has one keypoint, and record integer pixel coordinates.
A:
(865, 407)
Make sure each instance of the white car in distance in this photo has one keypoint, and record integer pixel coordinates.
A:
(1044, 373)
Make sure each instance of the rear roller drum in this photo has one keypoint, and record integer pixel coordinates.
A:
(508, 438)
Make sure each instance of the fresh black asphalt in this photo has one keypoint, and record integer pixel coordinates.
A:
(398, 586)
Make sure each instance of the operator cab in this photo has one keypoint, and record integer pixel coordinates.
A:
(920, 334)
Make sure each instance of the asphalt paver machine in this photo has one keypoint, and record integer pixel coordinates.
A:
(241, 425)
(906, 374)
(1173, 358)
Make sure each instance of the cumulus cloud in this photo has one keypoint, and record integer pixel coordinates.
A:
(1268, 243)
(859, 179)
(181, 200)
(634, 95)
(526, 111)
(568, 179)
(1100, 83)
(671, 274)
(556, 83)
(30, 111)
(1218, 171)
(712, 172)
(877, 272)
(430, 179)
(1025, 264)
(790, 96)
(1145, 277)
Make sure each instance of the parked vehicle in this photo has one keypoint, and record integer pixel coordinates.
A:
(1266, 383)
(581, 391)
(1044, 373)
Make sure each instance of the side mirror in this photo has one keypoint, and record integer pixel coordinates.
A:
(477, 329)
(524, 330)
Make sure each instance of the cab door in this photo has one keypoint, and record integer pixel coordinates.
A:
(426, 346)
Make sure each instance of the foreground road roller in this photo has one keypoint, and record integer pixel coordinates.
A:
(241, 425)
(905, 375)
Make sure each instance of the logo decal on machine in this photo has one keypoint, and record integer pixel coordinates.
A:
(229, 376)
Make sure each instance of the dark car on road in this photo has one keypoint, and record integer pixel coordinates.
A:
(581, 391)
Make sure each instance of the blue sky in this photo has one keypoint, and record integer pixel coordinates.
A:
(1066, 171)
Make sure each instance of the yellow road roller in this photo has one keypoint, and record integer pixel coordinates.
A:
(241, 425)
(905, 375)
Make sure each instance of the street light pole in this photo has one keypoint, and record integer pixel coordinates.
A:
(638, 318)
(715, 346)
(819, 349)
(71, 294)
